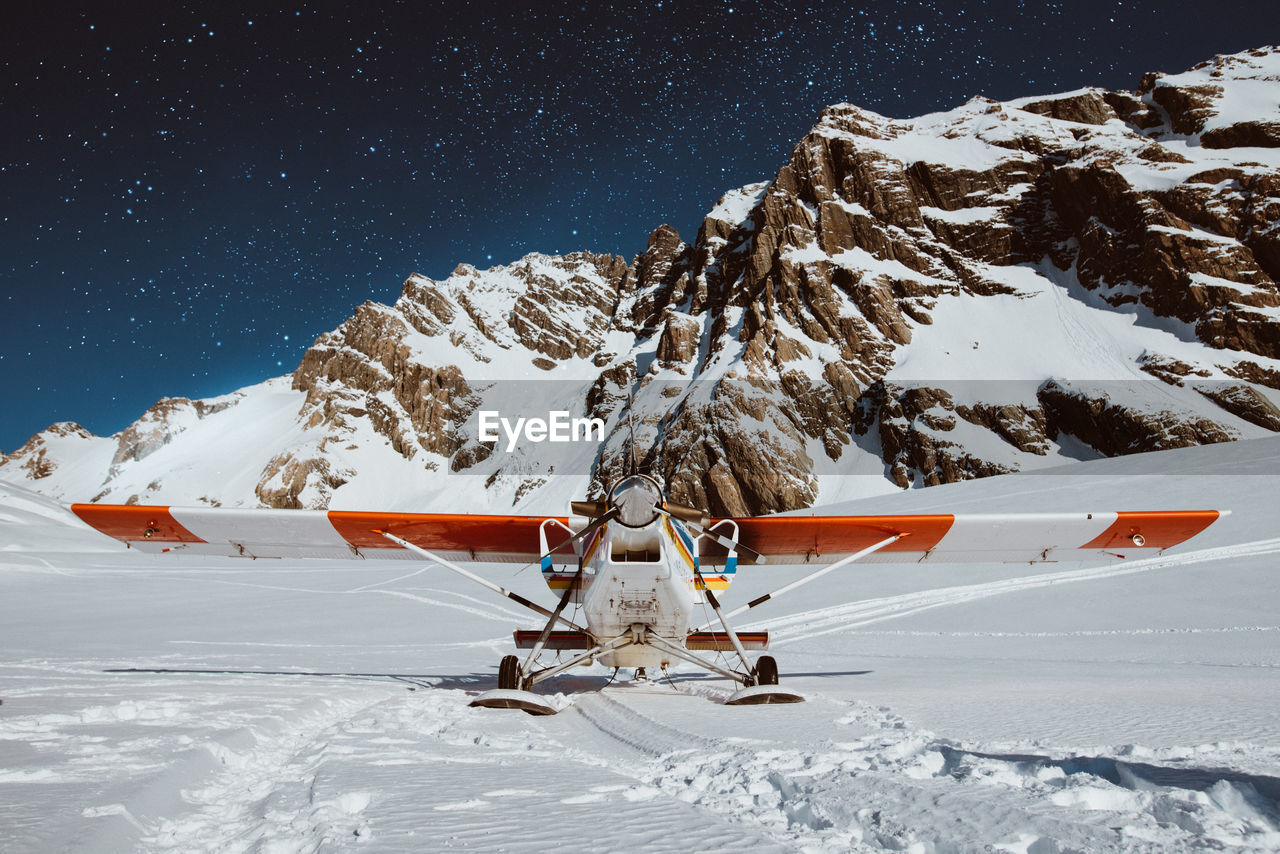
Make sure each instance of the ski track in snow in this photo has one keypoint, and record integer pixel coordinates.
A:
(812, 624)
(266, 768)
(879, 784)
(240, 808)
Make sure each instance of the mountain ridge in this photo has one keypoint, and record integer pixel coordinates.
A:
(993, 288)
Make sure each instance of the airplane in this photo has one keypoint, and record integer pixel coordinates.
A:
(638, 565)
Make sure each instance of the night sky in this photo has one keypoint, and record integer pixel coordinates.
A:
(192, 193)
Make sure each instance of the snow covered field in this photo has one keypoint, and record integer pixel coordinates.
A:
(186, 704)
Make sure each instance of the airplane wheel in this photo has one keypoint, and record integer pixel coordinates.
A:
(766, 670)
(509, 673)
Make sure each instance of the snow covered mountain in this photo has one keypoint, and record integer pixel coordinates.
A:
(1000, 287)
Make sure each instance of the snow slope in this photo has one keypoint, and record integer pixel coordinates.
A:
(171, 704)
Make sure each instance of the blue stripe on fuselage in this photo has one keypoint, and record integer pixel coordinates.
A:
(678, 527)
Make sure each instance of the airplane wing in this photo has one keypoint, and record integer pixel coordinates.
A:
(1020, 538)
(946, 538)
(261, 533)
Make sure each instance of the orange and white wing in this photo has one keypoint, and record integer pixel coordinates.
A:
(1019, 538)
(945, 538)
(319, 533)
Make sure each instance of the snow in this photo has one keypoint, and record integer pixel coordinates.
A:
(78, 459)
(735, 206)
(480, 339)
(1205, 280)
(165, 703)
(1196, 233)
(964, 216)
(1051, 327)
(852, 207)
(859, 259)
(1245, 84)
(973, 136)
(236, 443)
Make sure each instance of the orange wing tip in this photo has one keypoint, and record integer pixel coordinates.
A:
(1160, 529)
(132, 523)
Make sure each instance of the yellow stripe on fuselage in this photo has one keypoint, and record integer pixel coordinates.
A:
(561, 582)
(702, 581)
(596, 539)
(677, 543)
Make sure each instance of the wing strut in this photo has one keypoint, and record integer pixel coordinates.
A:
(724, 621)
(501, 591)
(787, 588)
(527, 668)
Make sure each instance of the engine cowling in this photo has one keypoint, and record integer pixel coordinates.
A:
(636, 499)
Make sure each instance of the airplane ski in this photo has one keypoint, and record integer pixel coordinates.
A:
(525, 701)
(763, 695)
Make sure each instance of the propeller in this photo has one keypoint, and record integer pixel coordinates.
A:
(685, 513)
(631, 500)
(590, 509)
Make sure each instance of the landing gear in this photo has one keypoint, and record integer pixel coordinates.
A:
(766, 671)
(509, 673)
(641, 676)
(762, 689)
(513, 692)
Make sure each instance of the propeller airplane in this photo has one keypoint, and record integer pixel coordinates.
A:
(638, 566)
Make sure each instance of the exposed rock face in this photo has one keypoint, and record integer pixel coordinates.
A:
(1087, 108)
(848, 305)
(1115, 428)
(365, 369)
(160, 424)
(1025, 428)
(914, 425)
(293, 483)
(38, 464)
(678, 344)
(1194, 100)
(35, 459)
(1247, 403)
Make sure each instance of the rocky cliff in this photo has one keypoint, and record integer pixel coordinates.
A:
(907, 302)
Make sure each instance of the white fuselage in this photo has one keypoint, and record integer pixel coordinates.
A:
(642, 578)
